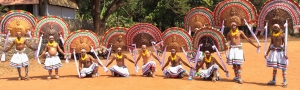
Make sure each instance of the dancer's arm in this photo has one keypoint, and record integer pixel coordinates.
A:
(245, 37)
(125, 57)
(29, 46)
(201, 64)
(180, 59)
(60, 50)
(155, 57)
(169, 60)
(45, 50)
(214, 59)
(10, 47)
(139, 57)
(111, 61)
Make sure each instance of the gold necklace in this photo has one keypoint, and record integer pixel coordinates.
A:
(84, 58)
(145, 53)
(119, 56)
(235, 32)
(277, 34)
(51, 44)
(173, 58)
(19, 41)
(208, 60)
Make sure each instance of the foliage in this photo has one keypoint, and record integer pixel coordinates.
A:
(161, 13)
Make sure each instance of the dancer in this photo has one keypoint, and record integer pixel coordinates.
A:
(90, 65)
(175, 70)
(277, 59)
(52, 60)
(212, 65)
(20, 59)
(120, 69)
(149, 66)
(235, 54)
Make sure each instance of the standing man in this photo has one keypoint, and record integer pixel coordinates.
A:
(212, 65)
(52, 60)
(277, 59)
(175, 70)
(120, 69)
(235, 54)
(20, 59)
(90, 65)
(149, 66)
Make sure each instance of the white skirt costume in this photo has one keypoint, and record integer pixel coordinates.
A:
(146, 67)
(277, 59)
(52, 62)
(121, 70)
(208, 72)
(174, 71)
(19, 59)
(235, 55)
(87, 71)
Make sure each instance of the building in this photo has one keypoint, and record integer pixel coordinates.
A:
(61, 8)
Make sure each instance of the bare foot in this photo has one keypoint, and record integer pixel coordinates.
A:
(153, 76)
(20, 78)
(26, 78)
(57, 77)
(48, 78)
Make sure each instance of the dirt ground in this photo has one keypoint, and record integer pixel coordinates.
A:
(255, 75)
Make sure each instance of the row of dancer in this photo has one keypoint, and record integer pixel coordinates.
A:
(235, 57)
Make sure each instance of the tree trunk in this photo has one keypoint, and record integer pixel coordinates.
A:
(96, 16)
(102, 28)
(41, 9)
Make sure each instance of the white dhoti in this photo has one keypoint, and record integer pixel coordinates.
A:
(148, 66)
(208, 72)
(277, 58)
(52, 62)
(123, 71)
(174, 71)
(235, 55)
(19, 59)
(88, 71)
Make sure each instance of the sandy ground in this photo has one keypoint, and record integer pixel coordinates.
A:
(255, 75)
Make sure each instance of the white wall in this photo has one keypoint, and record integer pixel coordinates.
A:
(62, 12)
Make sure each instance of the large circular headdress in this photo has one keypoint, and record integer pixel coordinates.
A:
(143, 34)
(209, 36)
(277, 11)
(81, 39)
(234, 11)
(115, 36)
(197, 18)
(17, 20)
(175, 38)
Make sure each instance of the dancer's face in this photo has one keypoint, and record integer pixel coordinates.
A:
(119, 50)
(144, 48)
(173, 52)
(207, 54)
(83, 52)
(51, 38)
(18, 34)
